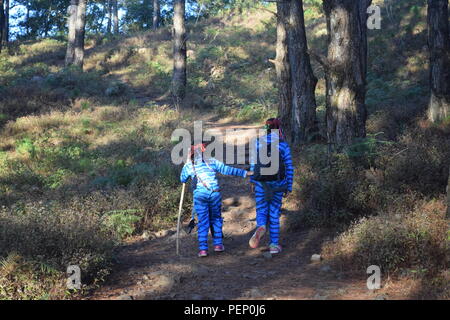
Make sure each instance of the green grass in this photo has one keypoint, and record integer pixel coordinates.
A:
(96, 144)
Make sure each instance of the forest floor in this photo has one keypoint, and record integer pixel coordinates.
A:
(150, 268)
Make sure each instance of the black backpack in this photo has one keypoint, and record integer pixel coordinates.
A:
(258, 176)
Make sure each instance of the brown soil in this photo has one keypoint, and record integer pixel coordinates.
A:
(150, 269)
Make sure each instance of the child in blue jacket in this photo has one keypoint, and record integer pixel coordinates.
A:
(269, 194)
(207, 197)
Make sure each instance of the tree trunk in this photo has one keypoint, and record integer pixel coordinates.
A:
(71, 21)
(282, 67)
(448, 195)
(80, 32)
(6, 30)
(109, 14)
(47, 21)
(346, 71)
(364, 4)
(179, 53)
(28, 21)
(115, 9)
(439, 46)
(304, 82)
(156, 14)
(2, 23)
(77, 22)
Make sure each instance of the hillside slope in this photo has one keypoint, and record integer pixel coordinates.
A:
(89, 153)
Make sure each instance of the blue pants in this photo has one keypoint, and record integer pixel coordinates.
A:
(208, 206)
(268, 212)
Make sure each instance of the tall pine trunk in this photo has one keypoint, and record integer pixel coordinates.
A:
(283, 68)
(346, 70)
(115, 14)
(109, 14)
(2, 23)
(439, 46)
(27, 22)
(448, 195)
(179, 78)
(77, 22)
(47, 21)
(156, 14)
(363, 5)
(6, 27)
(72, 20)
(304, 121)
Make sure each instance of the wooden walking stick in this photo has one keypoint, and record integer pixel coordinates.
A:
(179, 218)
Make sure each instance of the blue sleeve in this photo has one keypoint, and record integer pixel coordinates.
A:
(253, 159)
(185, 173)
(229, 171)
(289, 167)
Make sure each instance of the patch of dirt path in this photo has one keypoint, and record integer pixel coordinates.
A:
(150, 269)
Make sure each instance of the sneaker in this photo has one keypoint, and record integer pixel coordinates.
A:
(257, 236)
(203, 253)
(219, 248)
(275, 248)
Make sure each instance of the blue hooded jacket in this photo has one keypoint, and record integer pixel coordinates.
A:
(285, 156)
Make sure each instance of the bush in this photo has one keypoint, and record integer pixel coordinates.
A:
(154, 198)
(395, 241)
(56, 236)
(419, 161)
(332, 192)
(122, 222)
(77, 83)
(22, 279)
(254, 113)
(373, 175)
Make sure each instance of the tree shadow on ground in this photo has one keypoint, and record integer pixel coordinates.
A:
(238, 273)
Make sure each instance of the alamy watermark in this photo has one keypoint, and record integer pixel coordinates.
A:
(74, 277)
(374, 19)
(374, 280)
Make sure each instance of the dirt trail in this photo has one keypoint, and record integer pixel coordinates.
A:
(150, 269)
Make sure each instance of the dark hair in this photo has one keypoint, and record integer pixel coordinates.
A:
(273, 124)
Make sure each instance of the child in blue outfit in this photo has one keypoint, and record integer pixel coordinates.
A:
(207, 197)
(269, 192)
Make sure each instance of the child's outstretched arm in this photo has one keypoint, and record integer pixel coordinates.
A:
(185, 173)
(229, 171)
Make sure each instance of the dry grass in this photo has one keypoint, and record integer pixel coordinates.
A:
(98, 142)
(394, 241)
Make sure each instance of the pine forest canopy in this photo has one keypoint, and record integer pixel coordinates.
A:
(31, 19)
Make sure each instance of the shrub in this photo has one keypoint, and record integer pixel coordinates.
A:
(77, 83)
(336, 189)
(153, 193)
(365, 150)
(37, 69)
(27, 146)
(255, 113)
(53, 235)
(416, 239)
(332, 192)
(122, 222)
(22, 279)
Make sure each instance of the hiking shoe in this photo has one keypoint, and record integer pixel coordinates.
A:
(257, 236)
(275, 248)
(203, 253)
(219, 248)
